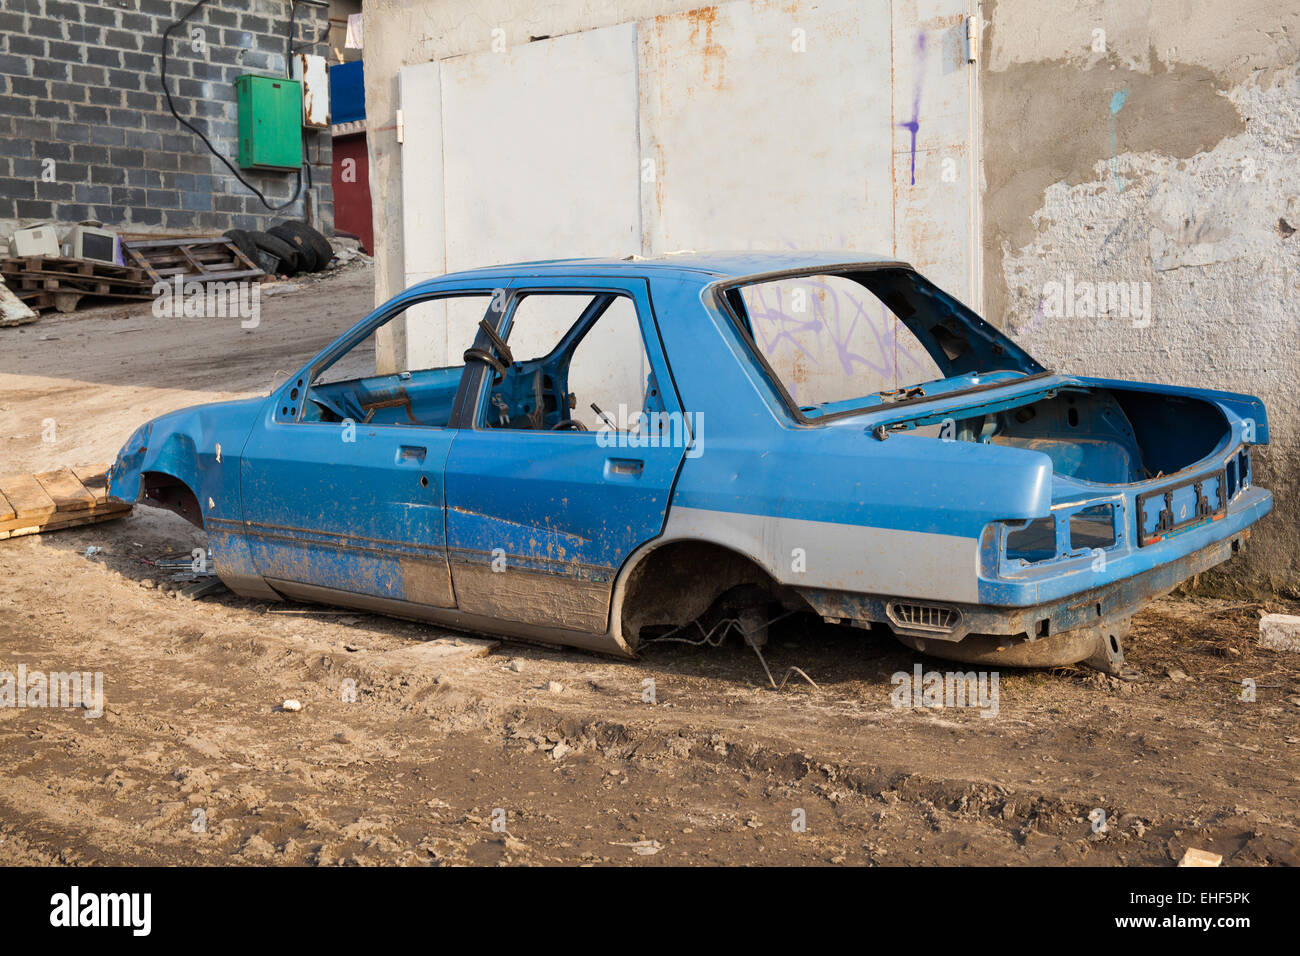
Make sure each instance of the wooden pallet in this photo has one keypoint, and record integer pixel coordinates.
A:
(44, 282)
(194, 260)
(71, 301)
(53, 500)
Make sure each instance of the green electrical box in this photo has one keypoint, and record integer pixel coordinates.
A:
(270, 122)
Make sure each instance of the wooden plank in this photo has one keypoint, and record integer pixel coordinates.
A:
(68, 492)
(94, 478)
(43, 282)
(141, 262)
(173, 243)
(243, 260)
(13, 310)
(191, 260)
(167, 274)
(84, 267)
(47, 300)
(74, 519)
(63, 498)
(28, 498)
(194, 260)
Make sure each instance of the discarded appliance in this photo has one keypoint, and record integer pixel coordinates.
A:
(87, 241)
(42, 240)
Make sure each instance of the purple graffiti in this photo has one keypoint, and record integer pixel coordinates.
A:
(834, 322)
(914, 123)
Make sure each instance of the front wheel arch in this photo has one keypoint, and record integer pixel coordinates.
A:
(167, 491)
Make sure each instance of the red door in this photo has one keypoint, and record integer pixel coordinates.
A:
(351, 178)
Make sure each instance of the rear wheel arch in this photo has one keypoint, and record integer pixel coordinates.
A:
(674, 582)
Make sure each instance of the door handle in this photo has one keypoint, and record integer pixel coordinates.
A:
(624, 467)
(414, 453)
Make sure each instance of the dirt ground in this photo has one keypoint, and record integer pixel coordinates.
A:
(195, 761)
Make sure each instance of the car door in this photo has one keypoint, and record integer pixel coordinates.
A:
(540, 520)
(342, 480)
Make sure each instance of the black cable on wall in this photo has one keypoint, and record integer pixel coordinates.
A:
(298, 174)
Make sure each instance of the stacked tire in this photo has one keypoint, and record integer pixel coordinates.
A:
(287, 248)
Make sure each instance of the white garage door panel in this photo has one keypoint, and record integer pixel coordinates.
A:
(933, 183)
(419, 342)
(541, 159)
(423, 238)
(758, 146)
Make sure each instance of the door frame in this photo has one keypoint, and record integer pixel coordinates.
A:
(473, 420)
(472, 398)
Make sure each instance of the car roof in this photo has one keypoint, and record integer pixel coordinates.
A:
(705, 266)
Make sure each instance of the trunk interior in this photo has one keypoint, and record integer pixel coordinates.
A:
(1111, 437)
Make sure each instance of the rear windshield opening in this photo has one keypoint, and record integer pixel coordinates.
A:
(835, 342)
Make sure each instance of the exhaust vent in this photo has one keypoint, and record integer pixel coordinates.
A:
(931, 618)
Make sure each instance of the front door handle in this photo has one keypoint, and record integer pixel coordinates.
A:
(413, 453)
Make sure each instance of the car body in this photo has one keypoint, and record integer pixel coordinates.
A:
(999, 512)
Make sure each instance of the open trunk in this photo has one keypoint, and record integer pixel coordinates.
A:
(1113, 437)
(1132, 465)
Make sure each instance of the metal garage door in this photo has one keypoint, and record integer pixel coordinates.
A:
(835, 124)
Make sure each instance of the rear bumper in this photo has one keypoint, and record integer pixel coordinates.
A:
(1069, 581)
(1119, 599)
(1107, 602)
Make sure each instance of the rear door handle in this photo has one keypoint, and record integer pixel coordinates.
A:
(624, 467)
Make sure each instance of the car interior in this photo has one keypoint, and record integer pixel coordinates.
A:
(529, 394)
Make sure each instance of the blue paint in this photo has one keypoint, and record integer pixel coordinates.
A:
(1117, 101)
(347, 92)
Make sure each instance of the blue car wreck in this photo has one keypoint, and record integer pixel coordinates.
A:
(596, 452)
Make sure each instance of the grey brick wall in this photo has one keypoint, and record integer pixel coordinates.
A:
(85, 132)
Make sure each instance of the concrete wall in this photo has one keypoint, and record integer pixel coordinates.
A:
(85, 132)
(1164, 151)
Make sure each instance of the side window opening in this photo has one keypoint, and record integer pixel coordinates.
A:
(352, 387)
(573, 351)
